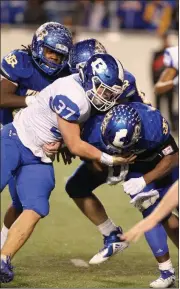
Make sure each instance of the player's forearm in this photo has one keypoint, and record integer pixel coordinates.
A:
(84, 150)
(12, 100)
(164, 167)
(167, 204)
(163, 87)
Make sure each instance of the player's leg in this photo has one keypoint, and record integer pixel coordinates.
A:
(79, 187)
(10, 155)
(34, 185)
(171, 226)
(157, 240)
(12, 213)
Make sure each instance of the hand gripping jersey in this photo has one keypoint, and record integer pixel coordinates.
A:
(19, 68)
(171, 57)
(37, 124)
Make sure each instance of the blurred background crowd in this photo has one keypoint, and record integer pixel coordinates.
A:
(156, 18)
(156, 15)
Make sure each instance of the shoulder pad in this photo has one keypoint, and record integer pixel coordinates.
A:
(17, 64)
(129, 76)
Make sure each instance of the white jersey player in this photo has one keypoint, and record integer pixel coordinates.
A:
(57, 113)
(37, 124)
(170, 76)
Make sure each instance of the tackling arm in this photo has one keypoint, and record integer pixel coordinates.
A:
(166, 81)
(71, 136)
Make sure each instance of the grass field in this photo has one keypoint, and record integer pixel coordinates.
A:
(45, 260)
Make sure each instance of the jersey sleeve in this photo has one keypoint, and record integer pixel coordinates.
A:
(65, 108)
(131, 92)
(168, 60)
(14, 66)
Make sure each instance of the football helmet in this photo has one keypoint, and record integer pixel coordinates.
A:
(56, 37)
(82, 51)
(102, 78)
(121, 128)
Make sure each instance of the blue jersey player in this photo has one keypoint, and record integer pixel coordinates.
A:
(25, 72)
(83, 50)
(139, 129)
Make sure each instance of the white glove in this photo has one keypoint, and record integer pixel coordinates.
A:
(134, 186)
(144, 200)
(176, 80)
(113, 180)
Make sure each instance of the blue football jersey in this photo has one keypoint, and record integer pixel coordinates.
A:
(19, 68)
(131, 92)
(154, 132)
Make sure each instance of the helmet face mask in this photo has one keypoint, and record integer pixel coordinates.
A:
(102, 96)
(102, 78)
(55, 37)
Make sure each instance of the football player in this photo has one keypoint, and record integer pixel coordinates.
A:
(140, 129)
(56, 114)
(24, 73)
(170, 76)
(80, 52)
(83, 50)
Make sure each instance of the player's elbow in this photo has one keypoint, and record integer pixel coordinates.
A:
(172, 160)
(175, 159)
(157, 88)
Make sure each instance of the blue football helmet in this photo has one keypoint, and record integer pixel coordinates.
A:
(82, 51)
(56, 37)
(121, 129)
(102, 78)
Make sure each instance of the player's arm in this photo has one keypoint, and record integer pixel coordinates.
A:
(166, 81)
(163, 168)
(70, 132)
(8, 97)
(12, 68)
(169, 159)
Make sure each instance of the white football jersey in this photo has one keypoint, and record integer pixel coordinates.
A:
(171, 57)
(37, 124)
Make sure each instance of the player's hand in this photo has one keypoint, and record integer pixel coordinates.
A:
(117, 160)
(66, 155)
(134, 186)
(139, 229)
(52, 148)
(144, 200)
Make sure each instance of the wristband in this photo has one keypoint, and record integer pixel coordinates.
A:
(106, 159)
